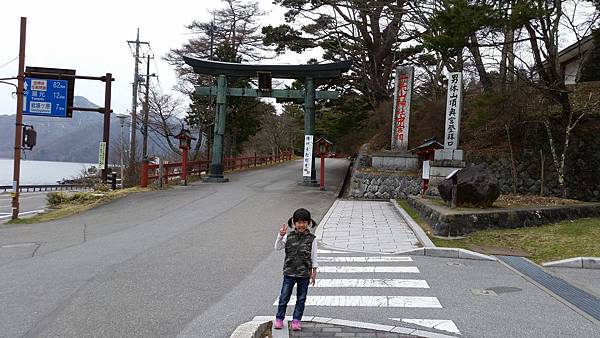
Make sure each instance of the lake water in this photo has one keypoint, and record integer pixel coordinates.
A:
(40, 172)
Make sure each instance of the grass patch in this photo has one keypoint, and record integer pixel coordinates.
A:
(417, 218)
(544, 243)
(64, 204)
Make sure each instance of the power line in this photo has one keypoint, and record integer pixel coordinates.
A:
(6, 64)
(156, 68)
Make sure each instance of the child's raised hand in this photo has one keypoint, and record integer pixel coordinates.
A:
(283, 229)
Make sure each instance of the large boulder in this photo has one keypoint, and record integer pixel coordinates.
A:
(476, 186)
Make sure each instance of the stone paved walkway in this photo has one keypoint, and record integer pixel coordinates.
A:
(367, 226)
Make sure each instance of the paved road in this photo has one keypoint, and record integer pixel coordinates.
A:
(30, 202)
(198, 261)
(440, 295)
(151, 264)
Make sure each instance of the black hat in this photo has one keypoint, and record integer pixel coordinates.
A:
(302, 215)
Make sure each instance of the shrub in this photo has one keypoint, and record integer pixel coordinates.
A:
(82, 197)
(56, 198)
(101, 187)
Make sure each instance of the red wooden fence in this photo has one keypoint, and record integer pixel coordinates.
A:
(150, 171)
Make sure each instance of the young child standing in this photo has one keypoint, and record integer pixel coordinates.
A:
(300, 265)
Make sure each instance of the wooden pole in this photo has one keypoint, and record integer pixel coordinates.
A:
(19, 121)
(106, 132)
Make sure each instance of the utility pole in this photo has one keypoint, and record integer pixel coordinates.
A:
(19, 121)
(134, 99)
(122, 118)
(146, 111)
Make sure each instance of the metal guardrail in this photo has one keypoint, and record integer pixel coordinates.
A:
(45, 187)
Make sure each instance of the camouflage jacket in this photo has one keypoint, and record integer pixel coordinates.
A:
(298, 248)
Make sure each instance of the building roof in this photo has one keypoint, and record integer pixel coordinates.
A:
(576, 50)
(428, 144)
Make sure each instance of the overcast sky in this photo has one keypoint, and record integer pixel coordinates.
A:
(90, 37)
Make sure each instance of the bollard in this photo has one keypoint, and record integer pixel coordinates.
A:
(160, 173)
(113, 180)
(184, 164)
(322, 170)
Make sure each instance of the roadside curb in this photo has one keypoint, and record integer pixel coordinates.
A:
(348, 173)
(416, 228)
(448, 253)
(576, 263)
(244, 329)
(319, 231)
(429, 249)
(253, 329)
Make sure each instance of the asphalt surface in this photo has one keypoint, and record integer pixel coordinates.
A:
(483, 299)
(29, 202)
(150, 264)
(198, 261)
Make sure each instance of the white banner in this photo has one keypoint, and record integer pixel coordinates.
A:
(453, 107)
(426, 168)
(401, 116)
(101, 156)
(308, 153)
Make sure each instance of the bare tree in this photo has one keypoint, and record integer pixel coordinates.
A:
(231, 36)
(164, 117)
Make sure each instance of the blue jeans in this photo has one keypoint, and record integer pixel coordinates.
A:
(286, 293)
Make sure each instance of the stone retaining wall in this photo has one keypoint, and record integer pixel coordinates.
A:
(383, 185)
(380, 184)
(447, 222)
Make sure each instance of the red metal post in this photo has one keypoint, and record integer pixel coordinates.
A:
(322, 182)
(184, 160)
(425, 187)
(166, 174)
(144, 180)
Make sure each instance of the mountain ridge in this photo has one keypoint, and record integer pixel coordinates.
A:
(73, 139)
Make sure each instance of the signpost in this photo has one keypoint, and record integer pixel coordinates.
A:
(102, 156)
(44, 97)
(49, 92)
(425, 176)
(308, 156)
(402, 102)
(453, 106)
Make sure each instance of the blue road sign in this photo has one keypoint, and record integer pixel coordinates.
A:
(45, 97)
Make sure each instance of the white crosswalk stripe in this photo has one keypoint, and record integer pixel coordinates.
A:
(369, 301)
(340, 275)
(377, 259)
(371, 283)
(368, 269)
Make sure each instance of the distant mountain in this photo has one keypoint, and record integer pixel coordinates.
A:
(73, 139)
